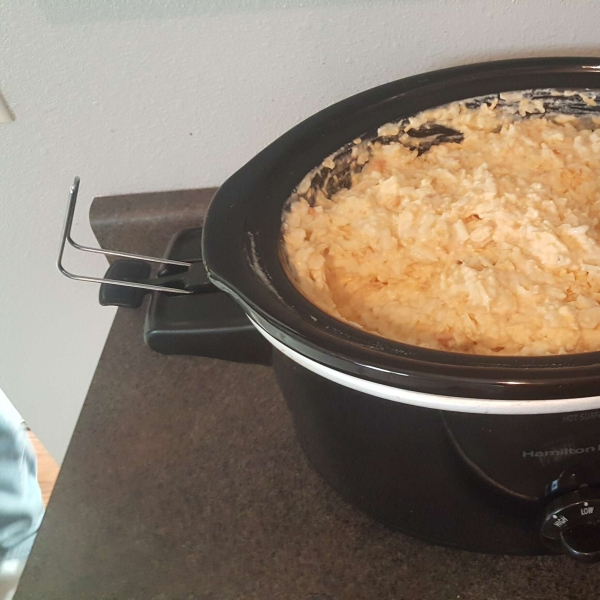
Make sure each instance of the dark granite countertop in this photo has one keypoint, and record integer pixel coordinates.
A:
(184, 480)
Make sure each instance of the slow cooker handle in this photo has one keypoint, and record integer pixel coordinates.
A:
(190, 315)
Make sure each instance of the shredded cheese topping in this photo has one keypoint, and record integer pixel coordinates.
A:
(489, 246)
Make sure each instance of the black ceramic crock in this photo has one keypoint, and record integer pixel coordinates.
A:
(494, 454)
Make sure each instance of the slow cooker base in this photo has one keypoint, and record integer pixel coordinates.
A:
(397, 464)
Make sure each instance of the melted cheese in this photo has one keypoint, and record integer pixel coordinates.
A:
(490, 246)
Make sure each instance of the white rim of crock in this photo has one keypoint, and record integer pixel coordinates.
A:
(449, 403)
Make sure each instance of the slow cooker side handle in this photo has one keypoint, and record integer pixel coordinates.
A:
(194, 317)
(205, 323)
(187, 313)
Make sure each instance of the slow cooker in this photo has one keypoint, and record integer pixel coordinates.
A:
(489, 454)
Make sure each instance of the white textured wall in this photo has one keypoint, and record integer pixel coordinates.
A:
(144, 95)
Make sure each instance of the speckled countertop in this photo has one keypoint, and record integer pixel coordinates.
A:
(184, 480)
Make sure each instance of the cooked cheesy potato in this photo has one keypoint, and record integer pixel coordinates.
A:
(488, 246)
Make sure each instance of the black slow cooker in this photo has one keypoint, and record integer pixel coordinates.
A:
(491, 454)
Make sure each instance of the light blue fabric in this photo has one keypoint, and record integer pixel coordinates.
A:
(21, 505)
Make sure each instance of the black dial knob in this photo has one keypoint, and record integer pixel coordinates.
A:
(572, 523)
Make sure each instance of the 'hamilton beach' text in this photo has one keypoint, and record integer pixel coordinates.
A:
(559, 452)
